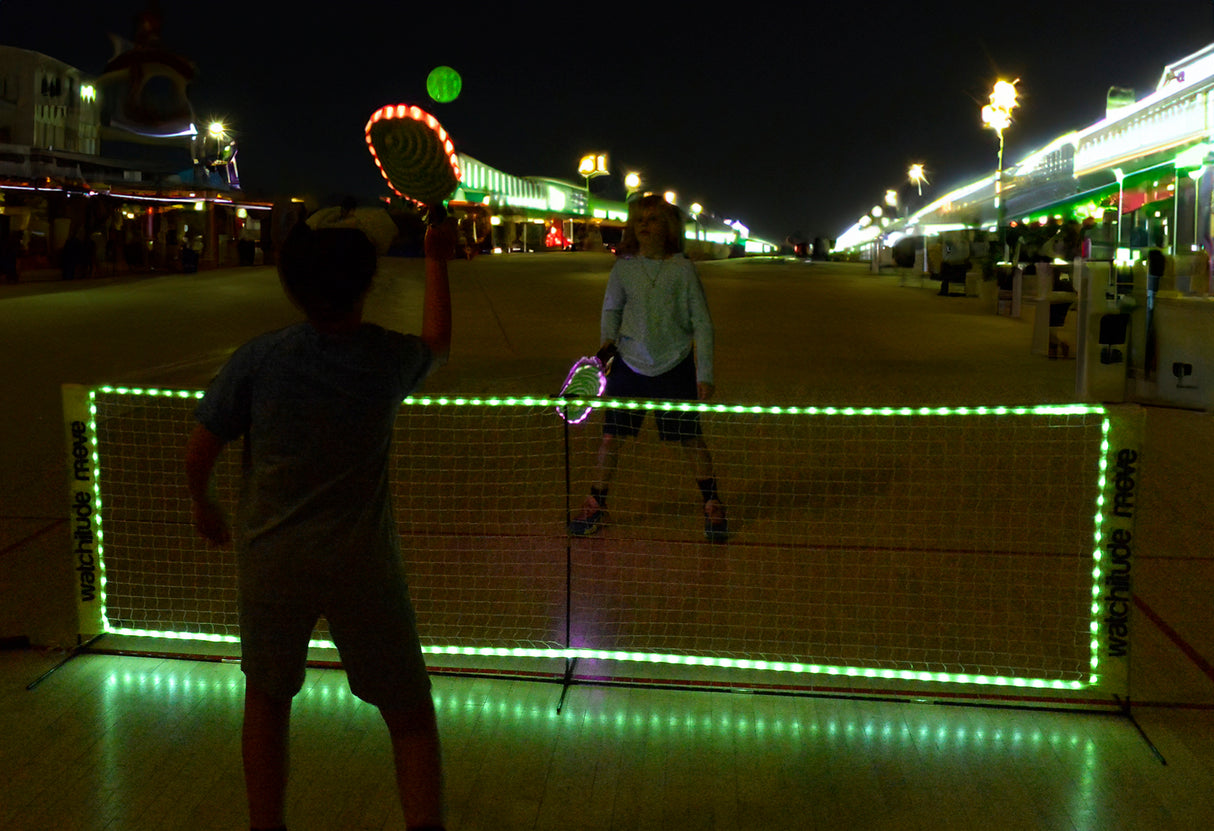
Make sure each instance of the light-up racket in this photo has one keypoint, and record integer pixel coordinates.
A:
(414, 153)
(587, 379)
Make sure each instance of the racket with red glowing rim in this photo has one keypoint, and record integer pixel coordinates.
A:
(413, 152)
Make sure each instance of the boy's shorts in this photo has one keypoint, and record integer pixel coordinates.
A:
(373, 627)
(678, 384)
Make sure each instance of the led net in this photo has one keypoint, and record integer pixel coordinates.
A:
(479, 499)
(936, 541)
(940, 543)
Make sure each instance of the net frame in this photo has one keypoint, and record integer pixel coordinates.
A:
(1113, 483)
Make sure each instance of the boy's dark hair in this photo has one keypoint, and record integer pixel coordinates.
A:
(326, 271)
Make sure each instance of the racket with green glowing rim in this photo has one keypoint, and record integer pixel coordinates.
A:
(414, 153)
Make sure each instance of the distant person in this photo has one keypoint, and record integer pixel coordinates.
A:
(655, 322)
(9, 246)
(468, 235)
(904, 258)
(1067, 245)
(1157, 266)
(955, 261)
(315, 405)
(69, 257)
(904, 252)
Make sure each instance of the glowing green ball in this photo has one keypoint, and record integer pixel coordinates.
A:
(443, 84)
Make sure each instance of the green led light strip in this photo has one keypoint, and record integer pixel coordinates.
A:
(1104, 486)
(682, 406)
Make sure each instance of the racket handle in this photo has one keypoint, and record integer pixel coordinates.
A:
(436, 214)
(607, 354)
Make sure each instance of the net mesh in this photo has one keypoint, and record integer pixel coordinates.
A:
(934, 541)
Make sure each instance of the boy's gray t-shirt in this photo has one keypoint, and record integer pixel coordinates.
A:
(317, 414)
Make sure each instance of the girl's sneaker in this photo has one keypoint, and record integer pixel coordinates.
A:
(589, 519)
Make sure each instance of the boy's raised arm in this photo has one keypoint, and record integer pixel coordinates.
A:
(436, 307)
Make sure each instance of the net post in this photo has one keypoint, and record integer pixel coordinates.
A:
(1112, 591)
(84, 520)
(567, 678)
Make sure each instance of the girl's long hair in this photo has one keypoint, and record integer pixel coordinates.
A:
(629, 246)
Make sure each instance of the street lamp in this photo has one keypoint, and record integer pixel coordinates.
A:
(218, 131)
(632, 181)
(591, 165)
(891, 200)
(917, 176)
(998, 115)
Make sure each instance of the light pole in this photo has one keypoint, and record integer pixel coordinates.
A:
(217, 130)
(1119, 175)
(918, 176)
(1196, 175)
(878, 220)
(591, 165)
(998, 115)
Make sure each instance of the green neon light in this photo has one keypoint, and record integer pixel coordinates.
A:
(635, 404)
(98, 533)
(760, 665)
(826, 725)
(1102, 482)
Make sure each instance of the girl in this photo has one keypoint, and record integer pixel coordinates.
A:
(655, 322)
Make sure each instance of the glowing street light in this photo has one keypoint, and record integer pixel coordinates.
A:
(891, 198)
(218, 131)
(632, 181)
(591, 165)
(998, 116)
(917, 176)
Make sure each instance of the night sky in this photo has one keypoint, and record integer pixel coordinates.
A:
(793, 122)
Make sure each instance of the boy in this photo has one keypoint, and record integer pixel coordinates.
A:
(315, 404)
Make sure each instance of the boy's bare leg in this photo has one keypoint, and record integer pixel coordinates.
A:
(419, 764)
(265, 745)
